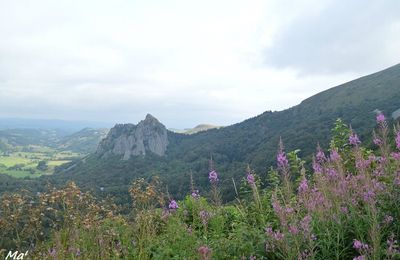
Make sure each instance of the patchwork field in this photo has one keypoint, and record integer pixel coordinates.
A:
(34, 161)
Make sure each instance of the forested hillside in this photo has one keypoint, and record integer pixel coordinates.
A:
(253, 142)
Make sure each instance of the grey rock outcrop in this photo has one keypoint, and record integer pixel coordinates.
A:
(129, 140)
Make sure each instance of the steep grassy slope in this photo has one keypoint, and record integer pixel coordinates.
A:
(303, 126)
(83, 141)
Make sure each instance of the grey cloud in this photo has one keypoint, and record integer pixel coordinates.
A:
(346, 36)
(97, 60)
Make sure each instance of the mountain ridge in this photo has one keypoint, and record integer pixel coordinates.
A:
(196, 129)
(251, 142)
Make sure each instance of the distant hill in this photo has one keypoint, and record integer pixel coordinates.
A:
(83, 141)
(27, 136)
(196, 129)
(65, 126)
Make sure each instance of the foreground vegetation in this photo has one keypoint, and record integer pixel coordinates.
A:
(346, 207)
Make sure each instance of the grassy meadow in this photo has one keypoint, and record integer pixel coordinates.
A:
(25, 163)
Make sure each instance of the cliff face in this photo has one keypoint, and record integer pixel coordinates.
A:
(129, 140)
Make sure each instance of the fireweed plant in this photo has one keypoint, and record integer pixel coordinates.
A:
(347, 206)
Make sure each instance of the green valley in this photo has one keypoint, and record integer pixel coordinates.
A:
(31, 153)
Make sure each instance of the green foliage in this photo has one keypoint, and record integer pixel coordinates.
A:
(342, 212)
(340, 136)
(42, 166)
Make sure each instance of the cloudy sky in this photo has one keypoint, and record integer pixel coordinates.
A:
(186, 62)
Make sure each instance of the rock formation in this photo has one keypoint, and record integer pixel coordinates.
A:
(129, 140)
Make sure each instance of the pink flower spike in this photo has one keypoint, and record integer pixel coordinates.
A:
(380, 118)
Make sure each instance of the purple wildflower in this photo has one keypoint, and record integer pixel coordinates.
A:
(380, 118)
(397, 179)
(195, 194)
(289, 210)
(317, 167)
(303, 187)
(305, 224)
(369, 196)
(213, 176)
(316, 200)
(357, 244)
(393, 247)
(397, 139)
(377, 141)
(364, 164)
(332, 173)
(293, 230)
(276, 206)
(382, 160)
(278, 236)
(204, 252)
(282, 160)
(354, 140)
(204, 217)
(361, 257)
(396, 156)
(388, 219)
(320, 156)
(173, 205)
(250, 179)
(334, 156)
(269, 231)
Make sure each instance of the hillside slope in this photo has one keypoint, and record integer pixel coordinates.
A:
(83, 141)
(196, 129)
(253, 141)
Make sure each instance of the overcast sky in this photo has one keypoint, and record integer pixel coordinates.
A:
(186, 62)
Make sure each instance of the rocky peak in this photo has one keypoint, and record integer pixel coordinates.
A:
(150, 118)
(128, 140)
